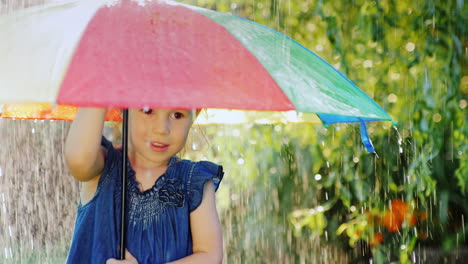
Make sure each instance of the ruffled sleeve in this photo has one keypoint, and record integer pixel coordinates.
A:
(109, 166)
(110, 161)
(200, 173)
(111, 154)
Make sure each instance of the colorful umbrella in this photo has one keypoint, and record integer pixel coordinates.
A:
(163, 54)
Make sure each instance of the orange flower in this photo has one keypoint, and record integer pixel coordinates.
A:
(391, 221)
(413, 220)
(399, 208)
(376, 239)
(394, 218)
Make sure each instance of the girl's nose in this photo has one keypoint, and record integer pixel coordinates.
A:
(162, 126)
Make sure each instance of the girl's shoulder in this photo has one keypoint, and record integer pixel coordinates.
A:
(194, 170)
(195, 174)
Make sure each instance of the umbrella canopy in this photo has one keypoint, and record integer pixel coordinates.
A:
(163, 54)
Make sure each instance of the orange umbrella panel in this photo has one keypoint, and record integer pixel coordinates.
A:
(46, 111)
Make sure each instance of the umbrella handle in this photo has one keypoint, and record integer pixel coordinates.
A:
(123, 235)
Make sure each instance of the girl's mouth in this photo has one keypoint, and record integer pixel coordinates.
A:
(158, 146)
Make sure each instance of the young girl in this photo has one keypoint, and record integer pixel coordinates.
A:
(172, 214)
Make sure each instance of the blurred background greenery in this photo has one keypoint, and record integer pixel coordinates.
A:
(303, 193)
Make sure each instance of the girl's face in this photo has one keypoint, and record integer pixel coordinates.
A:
(156, 135)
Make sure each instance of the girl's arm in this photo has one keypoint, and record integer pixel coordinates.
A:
(83, 154)
(206, 231)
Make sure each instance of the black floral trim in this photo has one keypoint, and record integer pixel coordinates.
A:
(170, 192)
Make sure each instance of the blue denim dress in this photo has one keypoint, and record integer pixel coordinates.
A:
(158, 228)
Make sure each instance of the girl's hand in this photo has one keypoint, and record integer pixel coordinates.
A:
(129, 259)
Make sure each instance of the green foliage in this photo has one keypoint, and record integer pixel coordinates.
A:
(409, 57)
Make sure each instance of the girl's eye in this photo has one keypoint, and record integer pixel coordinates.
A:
(177, 115)
(147, 110)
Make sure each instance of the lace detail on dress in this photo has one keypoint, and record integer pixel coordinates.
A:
(146, 207)
(171, 192)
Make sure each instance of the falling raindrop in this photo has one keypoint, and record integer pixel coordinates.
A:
(410, 46)
(400, 140)
(236, 132)
(463, 227)
(234, 197)
(463, 103)
(194, 146)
